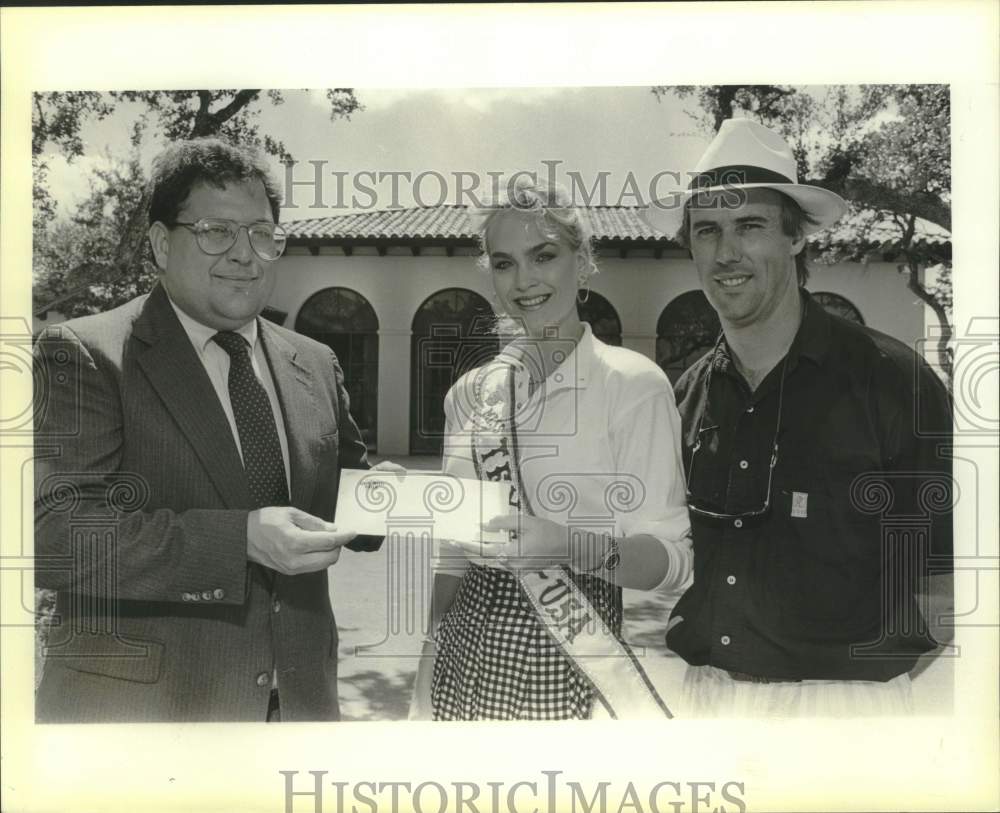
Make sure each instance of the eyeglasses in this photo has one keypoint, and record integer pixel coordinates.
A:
(217, 236)
(693, 502)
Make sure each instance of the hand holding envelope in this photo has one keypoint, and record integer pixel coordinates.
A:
(533, 543)
(401, 503)
(471, 515)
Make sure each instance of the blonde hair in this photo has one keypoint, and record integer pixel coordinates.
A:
(558, 219)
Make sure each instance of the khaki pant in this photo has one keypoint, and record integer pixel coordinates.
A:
(711, 692)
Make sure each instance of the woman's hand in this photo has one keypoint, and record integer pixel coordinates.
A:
(535, 543)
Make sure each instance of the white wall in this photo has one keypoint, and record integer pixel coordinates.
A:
(395, 285)
(639, 287)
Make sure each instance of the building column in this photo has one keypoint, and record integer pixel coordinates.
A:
(394, 392)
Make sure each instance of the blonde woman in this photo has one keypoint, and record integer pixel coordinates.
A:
(588, 438)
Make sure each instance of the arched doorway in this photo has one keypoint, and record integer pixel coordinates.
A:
(345, 321)
(687, 329)
(838, 306)
(452, 334)
(602, 317)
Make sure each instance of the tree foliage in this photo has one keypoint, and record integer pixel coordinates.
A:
(884, 148)
(98, 258)
(71, 269)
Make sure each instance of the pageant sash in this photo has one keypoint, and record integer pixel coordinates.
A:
(607, 663)
(564, 611)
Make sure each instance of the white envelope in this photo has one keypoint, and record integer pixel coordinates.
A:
(452, 508)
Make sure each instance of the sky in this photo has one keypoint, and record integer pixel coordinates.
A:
(442, 132)
(447, 139)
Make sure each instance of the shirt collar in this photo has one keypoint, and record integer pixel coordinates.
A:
(574, 371)
(200, 335)
(812, 340)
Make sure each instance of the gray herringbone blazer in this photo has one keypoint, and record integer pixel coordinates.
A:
(140, 525)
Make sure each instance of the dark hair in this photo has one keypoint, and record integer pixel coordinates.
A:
(185, 164)
(794, 219)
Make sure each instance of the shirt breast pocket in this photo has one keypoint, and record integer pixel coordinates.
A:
(830, 550)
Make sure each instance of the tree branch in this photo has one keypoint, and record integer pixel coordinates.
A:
(202, 118)
(925, 205)
(213, 121)
(944, 356)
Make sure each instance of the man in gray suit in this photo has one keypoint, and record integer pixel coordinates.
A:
(187, 462)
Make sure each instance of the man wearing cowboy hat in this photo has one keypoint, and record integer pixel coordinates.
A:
(818, 478)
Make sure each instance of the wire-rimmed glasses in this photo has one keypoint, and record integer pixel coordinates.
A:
(698, 506)
(217, 236)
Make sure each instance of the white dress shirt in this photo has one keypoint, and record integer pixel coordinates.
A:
(599, 444)
(215, 360)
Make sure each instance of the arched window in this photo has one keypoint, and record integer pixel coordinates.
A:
(838, 306)
(603, 318)
(687, 329)
(452, 334)
(346, 322)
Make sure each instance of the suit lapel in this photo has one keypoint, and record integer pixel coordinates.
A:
(296, 388)
(174, 371)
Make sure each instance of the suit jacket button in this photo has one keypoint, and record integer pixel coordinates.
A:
(186, 597)
(263, 679)
(207, 595)
(276, 606)
(219, 593)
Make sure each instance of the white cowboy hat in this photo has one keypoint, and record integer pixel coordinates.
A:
(747, 155)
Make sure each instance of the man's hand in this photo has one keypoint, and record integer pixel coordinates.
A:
(291, 541)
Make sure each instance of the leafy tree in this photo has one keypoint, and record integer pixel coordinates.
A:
(99, 259)
(93, 233)
(886, 149)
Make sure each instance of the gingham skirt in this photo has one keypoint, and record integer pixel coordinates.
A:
(496, 662)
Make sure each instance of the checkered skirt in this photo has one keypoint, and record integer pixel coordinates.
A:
(496, 662)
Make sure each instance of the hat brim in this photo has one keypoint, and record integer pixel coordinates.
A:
(826, 207)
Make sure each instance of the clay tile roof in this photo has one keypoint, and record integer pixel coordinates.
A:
(452, 223)
(609, 223)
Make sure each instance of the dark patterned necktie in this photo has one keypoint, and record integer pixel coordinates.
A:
(262, 460)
